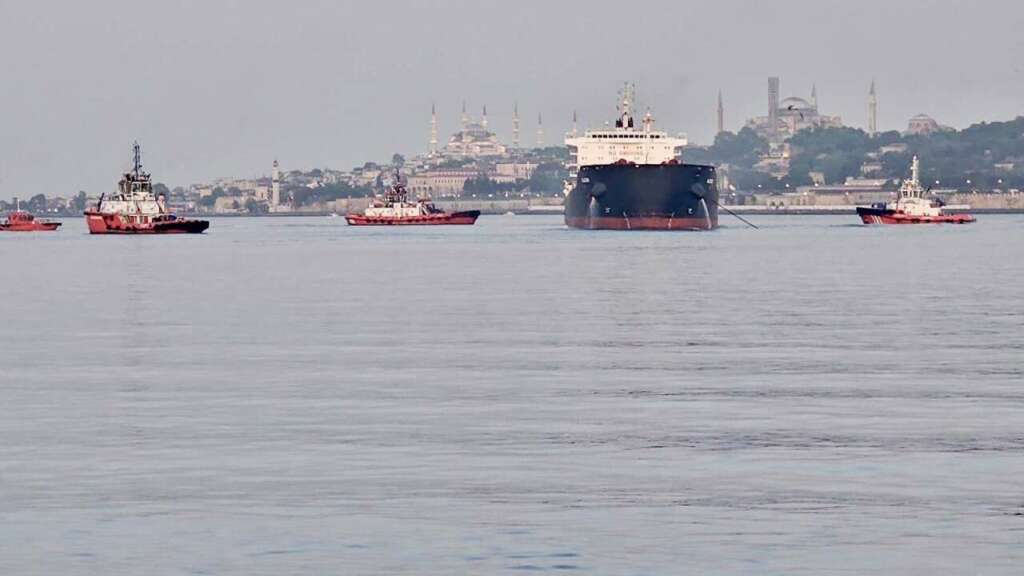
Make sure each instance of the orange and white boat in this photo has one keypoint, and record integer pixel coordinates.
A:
(134, 209)
(395, 209)
(21, 221)
(912, 206)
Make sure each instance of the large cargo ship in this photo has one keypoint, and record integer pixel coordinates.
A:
(134, 209)
(629, 178)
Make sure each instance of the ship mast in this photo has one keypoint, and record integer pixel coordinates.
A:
(137, 159)
(912, 188)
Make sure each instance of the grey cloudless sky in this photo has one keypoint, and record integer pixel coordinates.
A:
(222, 87)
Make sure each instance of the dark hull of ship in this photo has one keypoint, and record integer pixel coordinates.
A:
(644, 197)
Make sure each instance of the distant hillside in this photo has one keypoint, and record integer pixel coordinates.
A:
(984, 156)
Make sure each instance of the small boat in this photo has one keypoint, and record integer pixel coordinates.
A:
(912, 206)
(21, 221)
(134, 209)
(395, 209)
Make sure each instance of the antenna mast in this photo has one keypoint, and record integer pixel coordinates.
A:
(137, 159)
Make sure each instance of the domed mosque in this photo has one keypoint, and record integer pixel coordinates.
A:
(474, 140)
(789, 116)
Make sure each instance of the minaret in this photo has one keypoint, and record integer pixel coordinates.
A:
(465, 117)
(872, 111)
(515, 125)
(275, 185)
(721, 114)
(773, 108)
(433, 130)
(575, 132)
(540, 131)
(814, 96)
(483, 121)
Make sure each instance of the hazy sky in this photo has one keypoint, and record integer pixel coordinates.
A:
(219, 88)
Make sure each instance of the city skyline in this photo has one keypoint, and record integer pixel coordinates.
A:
(213, 96)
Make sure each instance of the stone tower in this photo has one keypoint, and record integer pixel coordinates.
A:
(515, 125)
(275, 185)
(721, 115)
(433, 130)
(773, 107)
(872, 111)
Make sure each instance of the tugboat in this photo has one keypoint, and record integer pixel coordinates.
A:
(20, 221)
(631, 178)
(395, 209)
(911, 206)
(135, 210)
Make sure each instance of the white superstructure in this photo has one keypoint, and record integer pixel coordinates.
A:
(624, 142)
(913, 198)
(394, 203)
(134, 198)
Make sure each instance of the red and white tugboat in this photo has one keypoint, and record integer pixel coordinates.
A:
(20, 221)
(395, 209)
(135, 210)
(912, 206)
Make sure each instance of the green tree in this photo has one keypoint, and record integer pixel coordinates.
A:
(548, 178)
(252, 206)
(303, 196)
(741, 150)
(79, 201)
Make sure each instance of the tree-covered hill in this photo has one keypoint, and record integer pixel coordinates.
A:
(984, 156)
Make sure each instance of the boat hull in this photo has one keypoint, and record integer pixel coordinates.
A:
(103, 223)
(31, 227)
(887, 216)
(466, 218)
(643, 197)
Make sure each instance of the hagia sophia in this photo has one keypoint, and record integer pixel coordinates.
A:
(789, 116)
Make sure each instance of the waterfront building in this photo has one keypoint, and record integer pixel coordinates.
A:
(439, 183)
(515, 170)
(262, 193)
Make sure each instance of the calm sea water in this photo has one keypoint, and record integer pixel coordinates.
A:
(293, 396)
